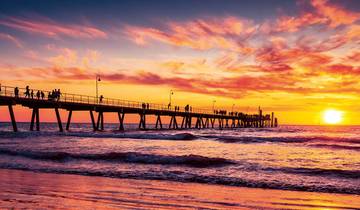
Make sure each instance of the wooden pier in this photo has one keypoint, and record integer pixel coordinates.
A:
(203, 118)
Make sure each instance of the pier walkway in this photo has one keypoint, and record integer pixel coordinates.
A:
(203, 118)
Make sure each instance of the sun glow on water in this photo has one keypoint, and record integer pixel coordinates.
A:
(332, 116)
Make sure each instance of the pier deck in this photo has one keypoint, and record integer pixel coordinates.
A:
(204, 118)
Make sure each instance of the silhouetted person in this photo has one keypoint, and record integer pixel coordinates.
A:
(16, 92)
(169, 105)
(147, 106)
(58, 94)
(27, 92)
(32, 94)
(101, 98)
(42, 95)
(38, 94)
(49, 96)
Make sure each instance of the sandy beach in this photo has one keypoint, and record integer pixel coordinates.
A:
(32, 190)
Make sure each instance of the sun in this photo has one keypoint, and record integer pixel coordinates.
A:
(332, 116)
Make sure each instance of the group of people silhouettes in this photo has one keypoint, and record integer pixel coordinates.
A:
(54, 95)
(188, 108)
(30, 93)
(145, 105)
(221, 112)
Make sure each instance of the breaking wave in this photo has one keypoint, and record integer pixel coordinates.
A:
(125, 157)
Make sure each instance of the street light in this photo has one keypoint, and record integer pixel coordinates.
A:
(97, 87)
(171, 93)
(214, 101)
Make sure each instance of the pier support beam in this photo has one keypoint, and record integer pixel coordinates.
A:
(121, 116)
(212, 120)
(100, 122)
(260, 119)
(188, 122)
(233, 125)
(199, 123)
(221, 123)
(92, 120)
(69, 120)
(35, 118)
(58, 119)
(142, 123)
(12, 116)
(206, 125)
(158, 122)
(173, 124)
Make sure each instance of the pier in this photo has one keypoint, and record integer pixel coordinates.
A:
(180, 118)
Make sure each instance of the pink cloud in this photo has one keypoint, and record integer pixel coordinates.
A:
(50, 28)
(324, 13)
(12, 39)
(335, 14)
(223, 33)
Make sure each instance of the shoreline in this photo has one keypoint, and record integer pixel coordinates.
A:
(26, 189)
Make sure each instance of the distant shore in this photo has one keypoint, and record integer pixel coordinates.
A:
(22, 189)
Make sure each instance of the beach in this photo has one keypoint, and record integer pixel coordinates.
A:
(33, 190)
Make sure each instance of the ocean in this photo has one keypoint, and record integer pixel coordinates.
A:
(322, 159)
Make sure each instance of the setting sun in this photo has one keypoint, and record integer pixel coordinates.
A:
(332, 116)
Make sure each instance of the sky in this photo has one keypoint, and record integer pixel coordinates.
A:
(296, 58)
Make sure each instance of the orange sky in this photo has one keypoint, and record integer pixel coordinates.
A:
(296, 59)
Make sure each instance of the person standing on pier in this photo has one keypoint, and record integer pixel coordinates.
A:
(58, 94)
(27, 92)
(42, 95)
(16, 92)
(32, 94)
(38, 94)
(101, 98)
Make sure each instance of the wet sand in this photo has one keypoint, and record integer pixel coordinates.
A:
(23, 189)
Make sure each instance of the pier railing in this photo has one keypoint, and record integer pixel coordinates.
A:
(92, 100)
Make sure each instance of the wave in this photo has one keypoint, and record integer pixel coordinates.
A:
(187, 177)
(131, 135)
(256, 139)
(125, 157)
(337, 146)
(352, 174)
(140, 135)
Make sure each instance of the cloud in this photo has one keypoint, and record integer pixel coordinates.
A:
(335, 14)
(90, 57)
(228, 33)
(65, 58)
(354, 57)
(341, 69)
(50, 28)
(12, 39)
(324, 13)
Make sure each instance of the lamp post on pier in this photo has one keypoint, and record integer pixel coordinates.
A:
(97, 87)
(213, 107)
(171, 93)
